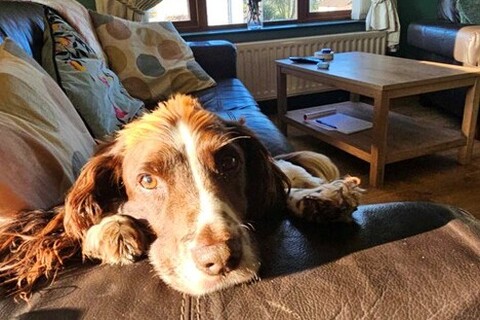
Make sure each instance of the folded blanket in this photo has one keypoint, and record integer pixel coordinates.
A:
(467, 46)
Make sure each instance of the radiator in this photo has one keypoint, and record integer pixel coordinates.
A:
(256, 60)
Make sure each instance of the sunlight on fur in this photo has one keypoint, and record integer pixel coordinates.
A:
(178, 185)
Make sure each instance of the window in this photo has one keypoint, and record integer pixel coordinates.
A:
(196, 15)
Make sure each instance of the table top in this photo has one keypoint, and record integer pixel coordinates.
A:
(383, 72)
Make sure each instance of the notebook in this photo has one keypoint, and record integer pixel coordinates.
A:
(343, 123)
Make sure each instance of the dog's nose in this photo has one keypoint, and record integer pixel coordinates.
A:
(218, 258)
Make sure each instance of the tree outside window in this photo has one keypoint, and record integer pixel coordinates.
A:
(202, 15)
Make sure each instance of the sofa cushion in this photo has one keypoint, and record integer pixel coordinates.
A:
(94, 90)
(44, 141)
(151, 59)
(24, 24)
(231, 100)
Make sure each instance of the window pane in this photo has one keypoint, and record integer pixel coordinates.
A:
(330, 5)
(277, 10)
(224, 12)
(170, 10)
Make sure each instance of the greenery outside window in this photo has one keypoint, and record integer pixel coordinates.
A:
(198, 15)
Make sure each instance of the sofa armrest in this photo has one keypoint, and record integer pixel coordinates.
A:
(217, 57)
(437, 36)
(455, 41)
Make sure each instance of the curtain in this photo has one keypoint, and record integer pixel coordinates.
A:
(360, 9)
(383, 15)
(134, 10)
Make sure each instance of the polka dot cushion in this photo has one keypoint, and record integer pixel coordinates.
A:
(151, 59)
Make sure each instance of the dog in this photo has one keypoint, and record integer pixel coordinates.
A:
(180, 185)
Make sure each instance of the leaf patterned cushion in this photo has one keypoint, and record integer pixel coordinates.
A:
(94, 89)
(151, 59)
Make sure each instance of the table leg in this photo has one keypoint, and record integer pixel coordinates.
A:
(379, 140)
(470, 115)
(281, 99)
(354, 97)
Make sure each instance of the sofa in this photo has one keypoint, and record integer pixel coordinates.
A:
(446, 40)
(403, 260)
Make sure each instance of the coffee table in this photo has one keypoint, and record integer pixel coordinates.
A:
(394, 137)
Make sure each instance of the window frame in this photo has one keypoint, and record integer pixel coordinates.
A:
(198, 17)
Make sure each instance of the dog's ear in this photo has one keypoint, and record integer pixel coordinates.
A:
(96, 191)
(266, 183)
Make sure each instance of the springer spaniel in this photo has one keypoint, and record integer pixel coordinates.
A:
(181, 185)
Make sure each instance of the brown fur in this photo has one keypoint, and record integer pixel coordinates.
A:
(36, 244)
(181, 185)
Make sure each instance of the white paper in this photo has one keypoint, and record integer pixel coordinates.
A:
(342, 123)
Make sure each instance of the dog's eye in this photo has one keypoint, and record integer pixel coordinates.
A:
(228, 163)
(148, 182)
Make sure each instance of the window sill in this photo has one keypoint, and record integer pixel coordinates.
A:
(277, 31)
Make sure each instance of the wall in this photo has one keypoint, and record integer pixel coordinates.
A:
(414, 10)
(90, 4)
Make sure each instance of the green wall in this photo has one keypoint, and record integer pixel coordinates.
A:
(414, 10)
(90, 4)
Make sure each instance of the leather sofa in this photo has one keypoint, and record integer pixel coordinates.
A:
(405, 260)
(445, 40)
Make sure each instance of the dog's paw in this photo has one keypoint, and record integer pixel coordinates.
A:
(331, 202)
(117, 239)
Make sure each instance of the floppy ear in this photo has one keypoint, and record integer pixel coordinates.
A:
(266, 183)
(96, 191)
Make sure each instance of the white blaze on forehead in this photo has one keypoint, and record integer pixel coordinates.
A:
(209, 204)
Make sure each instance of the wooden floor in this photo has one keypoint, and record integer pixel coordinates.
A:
(437, 178)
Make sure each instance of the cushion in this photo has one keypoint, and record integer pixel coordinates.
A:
(468, 11)
(94, 89)
(44, 141)
(151, 59)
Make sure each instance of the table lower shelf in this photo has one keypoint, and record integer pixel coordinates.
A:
(407, 138)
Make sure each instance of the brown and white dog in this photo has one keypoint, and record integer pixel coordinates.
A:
(181, 185)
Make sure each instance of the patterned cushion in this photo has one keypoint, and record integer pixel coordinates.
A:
(44, 141)
(94, 89)
(151, 59)
(469, 11)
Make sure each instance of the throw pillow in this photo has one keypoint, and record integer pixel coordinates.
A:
(469, 11)
(94, 89)
(151, 59)
(44, 141)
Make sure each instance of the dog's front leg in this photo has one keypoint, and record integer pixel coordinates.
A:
(116, 239)
(330, 202)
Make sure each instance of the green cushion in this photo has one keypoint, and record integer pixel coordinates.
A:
(469, 11)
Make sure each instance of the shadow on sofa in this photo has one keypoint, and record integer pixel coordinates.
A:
(392, 260)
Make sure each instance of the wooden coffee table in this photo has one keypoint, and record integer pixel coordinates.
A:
(394, 137)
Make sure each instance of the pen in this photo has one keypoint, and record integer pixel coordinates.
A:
(316, 114)
(325, 124)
